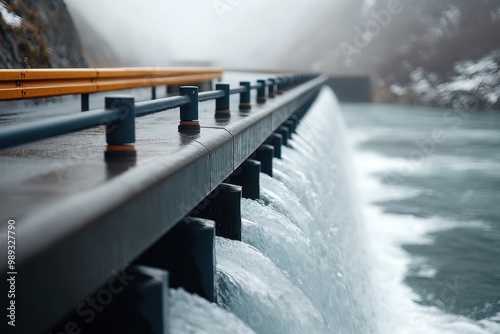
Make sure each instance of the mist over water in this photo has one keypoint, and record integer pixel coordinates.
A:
(245, 34)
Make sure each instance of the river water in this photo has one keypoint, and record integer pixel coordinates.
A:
(429, 182)
(388, 225)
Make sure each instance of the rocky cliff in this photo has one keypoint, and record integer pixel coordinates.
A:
(430, 52)
(38, 34)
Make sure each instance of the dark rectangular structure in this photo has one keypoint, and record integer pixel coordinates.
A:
(351, 88)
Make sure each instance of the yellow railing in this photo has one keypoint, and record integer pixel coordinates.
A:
(34, 83)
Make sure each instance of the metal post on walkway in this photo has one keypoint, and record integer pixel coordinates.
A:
(189, 112)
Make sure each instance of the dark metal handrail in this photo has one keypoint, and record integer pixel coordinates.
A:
(211, 95)
(238, 90)
(120, 112)
(29, 132)
(154, 106)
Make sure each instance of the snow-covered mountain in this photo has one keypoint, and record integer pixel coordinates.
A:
(429, 51)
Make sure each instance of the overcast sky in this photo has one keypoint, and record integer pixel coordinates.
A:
(248, 33)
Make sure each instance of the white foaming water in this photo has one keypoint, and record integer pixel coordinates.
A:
(399, 311)
(192, 314)
(252, 287)
(306, 271)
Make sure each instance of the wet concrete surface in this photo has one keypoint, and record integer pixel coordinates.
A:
(35, 174)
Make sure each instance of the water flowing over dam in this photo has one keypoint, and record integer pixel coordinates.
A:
(301, 265)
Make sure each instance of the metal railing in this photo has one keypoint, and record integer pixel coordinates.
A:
(37, 83)
(119, 114)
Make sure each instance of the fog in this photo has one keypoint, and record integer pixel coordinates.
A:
(230, 33)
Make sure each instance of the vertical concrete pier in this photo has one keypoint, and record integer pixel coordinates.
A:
(283, 130)
(276, 141)
(223, 206)
(134, 300)
(265, 155)
(248, 177)
(187, 253)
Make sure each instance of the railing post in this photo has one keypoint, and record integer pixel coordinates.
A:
(122, 133)
(286, 80)
(281, 85)
(189, 112)
(261, 91)
(222, 107)
(272, 88)
(245, 96)
(119, 137)
(85, 102)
